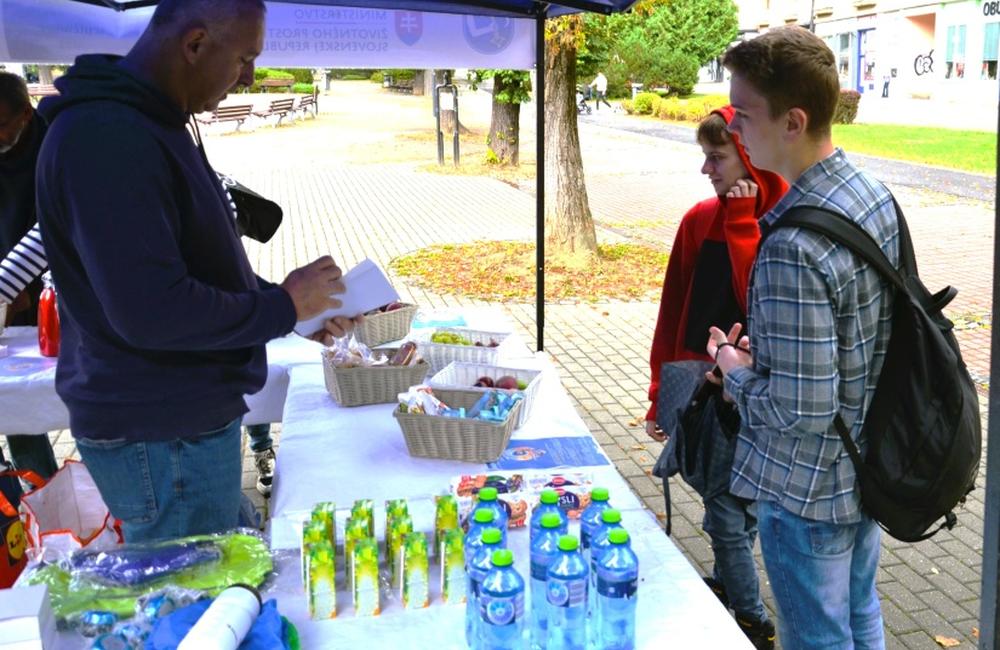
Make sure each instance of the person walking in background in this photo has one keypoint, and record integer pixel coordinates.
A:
(600, 85)
(163, 320)
(819, 321)
(706, 284)
(21, 134)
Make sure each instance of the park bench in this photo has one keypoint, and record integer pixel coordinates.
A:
(307, 104)
(279, 107)
(286, 84)
(238, 113)
(37, 91)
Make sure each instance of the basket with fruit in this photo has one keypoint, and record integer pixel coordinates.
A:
(445, 345)
(462, 375)
(356, 385)
(387, 323)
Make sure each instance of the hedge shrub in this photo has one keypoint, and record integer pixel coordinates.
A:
(847, 107)
(643, 103)
(303, 89)
(377, 77)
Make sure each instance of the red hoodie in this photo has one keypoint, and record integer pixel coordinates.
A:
(717, 238)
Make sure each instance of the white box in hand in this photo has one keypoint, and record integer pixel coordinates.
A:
(366, 288)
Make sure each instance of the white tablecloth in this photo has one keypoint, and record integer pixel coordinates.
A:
(329, 453)
(29, 404)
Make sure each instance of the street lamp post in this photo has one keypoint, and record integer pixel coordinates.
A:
(812, 14)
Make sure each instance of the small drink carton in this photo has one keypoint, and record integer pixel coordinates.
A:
(394, 508)
(312, 534)
(326, 513)
(416, 572)
(445, 517)
(401, 527)
(364, 568)
(321, 585)
(364, 509)
(452, 554)
(356, 531)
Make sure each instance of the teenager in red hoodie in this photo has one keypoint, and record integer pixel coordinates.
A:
(705, 285)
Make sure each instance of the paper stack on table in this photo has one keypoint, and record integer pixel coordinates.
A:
(367, 288)
(26, 619)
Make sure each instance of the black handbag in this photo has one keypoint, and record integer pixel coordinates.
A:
(256, 217)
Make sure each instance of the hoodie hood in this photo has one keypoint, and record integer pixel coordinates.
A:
(770, 186)
(101, 77)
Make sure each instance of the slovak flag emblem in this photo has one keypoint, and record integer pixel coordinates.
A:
(409, 26)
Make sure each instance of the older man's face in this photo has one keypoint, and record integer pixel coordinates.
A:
(229, 59)
(13, 124)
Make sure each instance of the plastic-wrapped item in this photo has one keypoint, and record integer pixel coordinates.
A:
(116, 580)
(420, 399)
(94, 622)
(347, 352)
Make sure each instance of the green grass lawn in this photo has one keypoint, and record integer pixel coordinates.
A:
(973, 151)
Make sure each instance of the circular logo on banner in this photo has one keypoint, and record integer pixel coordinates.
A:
(488, 35)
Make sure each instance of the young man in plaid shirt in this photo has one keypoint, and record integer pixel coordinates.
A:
(818, 325)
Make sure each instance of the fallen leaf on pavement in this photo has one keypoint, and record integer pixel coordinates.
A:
(639, 447)
(975, 632)
(946, 641)
(935, 570)
(649, 472)
(634, 422)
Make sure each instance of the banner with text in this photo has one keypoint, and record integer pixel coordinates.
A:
(308, 36)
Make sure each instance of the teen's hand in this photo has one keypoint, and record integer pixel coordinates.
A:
(654, 432)
(743, 187)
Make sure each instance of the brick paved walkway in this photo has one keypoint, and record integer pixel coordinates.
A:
(639, 188)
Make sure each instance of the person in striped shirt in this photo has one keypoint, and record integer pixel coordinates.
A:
(818, 327)
(21, 133)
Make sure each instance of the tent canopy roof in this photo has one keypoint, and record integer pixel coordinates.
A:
(523, 8)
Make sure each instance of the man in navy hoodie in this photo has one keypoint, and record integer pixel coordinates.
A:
(163, 320)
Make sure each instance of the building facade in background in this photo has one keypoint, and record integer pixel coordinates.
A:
(942, 50)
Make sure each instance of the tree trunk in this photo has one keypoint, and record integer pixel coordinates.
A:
(45, 74)
(505, 128)
(569, 225)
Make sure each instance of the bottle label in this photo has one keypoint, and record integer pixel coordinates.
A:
(539, 571)
(584, 537)
(501, 610)
(617, 588)
(567, 593)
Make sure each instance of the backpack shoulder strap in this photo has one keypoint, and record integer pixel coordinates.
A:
(844, 231)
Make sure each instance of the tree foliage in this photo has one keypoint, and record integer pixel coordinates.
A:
(659, 43)
(514, 85)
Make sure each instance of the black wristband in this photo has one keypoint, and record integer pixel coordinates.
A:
(724, 344)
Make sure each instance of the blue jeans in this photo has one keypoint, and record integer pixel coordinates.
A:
(731, 524)
(169, 489)
(823, 578)
(260, 436)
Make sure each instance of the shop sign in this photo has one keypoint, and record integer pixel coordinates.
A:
(991, 8)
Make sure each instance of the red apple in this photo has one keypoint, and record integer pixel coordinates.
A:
(393, 306)
(484, 382)
(506, 382)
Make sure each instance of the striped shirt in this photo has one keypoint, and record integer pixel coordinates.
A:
(819, 324)
(27, 260)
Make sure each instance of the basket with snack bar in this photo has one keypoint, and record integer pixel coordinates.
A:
(388, 323)
(351, 383)
(452, 435)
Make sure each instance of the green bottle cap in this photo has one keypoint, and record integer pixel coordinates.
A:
(492, 536)
(488, 494)
(568, 543)
(483, 516)
(611, 516)
(549, 497)
(599, 494)
(618, 536)
(502, 557)
(551, 520)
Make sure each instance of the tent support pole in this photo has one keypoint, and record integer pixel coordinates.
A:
(989, 623)
(540, 178)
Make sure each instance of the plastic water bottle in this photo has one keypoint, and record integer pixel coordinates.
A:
(590, 518)
(481, 520)
(501, 605)
(477, 566)
(617, 594)
(488, 499)
(548, 502)
(566, 592)
(610, 520)
(544, 551)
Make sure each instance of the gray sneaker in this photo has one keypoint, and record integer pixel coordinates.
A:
(264, 461)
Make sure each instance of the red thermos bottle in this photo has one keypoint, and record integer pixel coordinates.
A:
(48, 320)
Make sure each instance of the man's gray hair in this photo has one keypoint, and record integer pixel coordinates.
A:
(14, 92)
(182, 14)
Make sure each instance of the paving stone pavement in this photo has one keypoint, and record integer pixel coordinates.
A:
(639, 187)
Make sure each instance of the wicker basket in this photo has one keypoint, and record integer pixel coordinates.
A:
(461, 375)
(373, 385)
(440, 355)
(468, 439)
(385, 326)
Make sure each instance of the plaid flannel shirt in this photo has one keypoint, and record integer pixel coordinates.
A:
(819, 324)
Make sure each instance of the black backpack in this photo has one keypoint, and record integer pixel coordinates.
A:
(923, 431)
